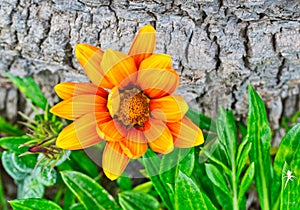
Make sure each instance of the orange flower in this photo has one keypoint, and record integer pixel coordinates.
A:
(140, 109)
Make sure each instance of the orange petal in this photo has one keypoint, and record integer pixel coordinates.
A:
(185, 133)
(77, 106)
(90, 58)
(66, 90)
(113, 101)
(114, 161)
(79, 134)
(164, 143)
(111, 130)
(157, 83)
(157, 61)
(117, 66)
(153, 129)
(170, 108)
(143, 45)
(135, 145)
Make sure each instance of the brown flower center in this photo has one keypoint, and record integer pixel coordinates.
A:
(134, 108)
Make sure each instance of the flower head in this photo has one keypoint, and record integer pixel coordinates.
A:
(130, 104)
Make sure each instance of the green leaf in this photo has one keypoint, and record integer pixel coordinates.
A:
(179, 158)
(30, 187)
(33, 204)
(124, 182)
(46, 175)
(88, 191)
(289, 152)
(223, 198)
(144, 187)
(216, 177)
(9, 129)
(76, 206)
(243, 157)
(201, 120)
(246, 181)
(9, 166)
(152, 163)
(188, 195)
(290, 189)
(259, 134)
(13, 143)
(227, 134)
(83, 163)
(133, 200)
(31, 90)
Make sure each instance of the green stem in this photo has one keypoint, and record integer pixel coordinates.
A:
(2, 196)
(234, 186)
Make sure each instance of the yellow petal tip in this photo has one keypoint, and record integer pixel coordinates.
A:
(111, 176)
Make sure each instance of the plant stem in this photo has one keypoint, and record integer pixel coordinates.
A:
(2, 196)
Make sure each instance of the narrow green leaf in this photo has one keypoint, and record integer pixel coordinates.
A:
(242, 160)
(289, 152)
(227, 134)
(259, 134)
(144, 187)
(290, 189)
(29, 87)
(13, 143)
(9, 129)
(88, 191)
(188, 195)
(216, 177)
(201, 120)
(223, 198)
(152, 164)
(179, 158)
(133, 200)
(69, 200)
(217, 161)
(33, 204)
(245, 183)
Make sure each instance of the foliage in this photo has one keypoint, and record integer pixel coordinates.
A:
(234, 160)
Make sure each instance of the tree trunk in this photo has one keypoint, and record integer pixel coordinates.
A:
(218, 46)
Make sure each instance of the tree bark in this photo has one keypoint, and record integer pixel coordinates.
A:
(218, 46)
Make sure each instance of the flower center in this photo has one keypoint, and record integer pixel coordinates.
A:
(134, 108)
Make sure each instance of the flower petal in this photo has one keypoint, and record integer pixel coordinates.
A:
(111, 130)
(170, 108)
(153, 129)
(90, 58)
(135, 145)
(157, 83)
(185, 133)
(113, 101)
(157, 61)
(143, 45)
(77, 106)
(164, 143)
(79, 134)
(66, 90)
(114, 161)
(118, 67)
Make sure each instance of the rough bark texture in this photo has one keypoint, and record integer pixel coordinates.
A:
(218, 46)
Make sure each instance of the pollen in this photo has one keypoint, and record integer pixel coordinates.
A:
(134, 108)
